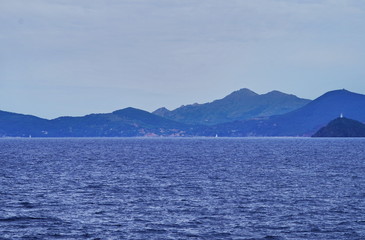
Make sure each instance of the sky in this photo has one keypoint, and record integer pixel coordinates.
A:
(76, 57)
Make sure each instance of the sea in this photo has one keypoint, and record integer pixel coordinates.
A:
(182, 188)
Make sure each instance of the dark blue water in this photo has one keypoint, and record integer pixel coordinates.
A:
(182, 189)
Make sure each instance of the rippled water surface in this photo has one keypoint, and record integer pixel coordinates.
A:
(182, 189)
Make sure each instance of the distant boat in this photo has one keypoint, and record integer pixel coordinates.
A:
(216, 135)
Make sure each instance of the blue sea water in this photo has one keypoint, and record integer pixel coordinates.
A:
(248, 188)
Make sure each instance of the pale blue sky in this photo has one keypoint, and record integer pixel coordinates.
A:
(74, 57)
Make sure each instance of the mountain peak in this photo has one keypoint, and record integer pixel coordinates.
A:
(161, 111)
(341, 95)
(340, 92)
(275, 93)
(244, 92)
(128, 110)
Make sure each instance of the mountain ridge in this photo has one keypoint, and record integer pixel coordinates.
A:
(132, 122)
(304, 121)
(239, 105)
(126, 122)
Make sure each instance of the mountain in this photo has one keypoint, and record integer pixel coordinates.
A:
(239, 105)
(128, 122)
(342, 127)
(131, 122)
(20, 125)
(304, 121)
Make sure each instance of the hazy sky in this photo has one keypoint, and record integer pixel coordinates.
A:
(74, 57)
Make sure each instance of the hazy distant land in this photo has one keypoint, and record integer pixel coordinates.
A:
(240, 114)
